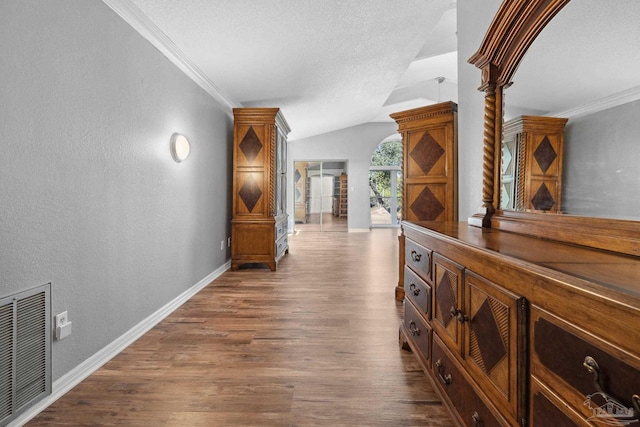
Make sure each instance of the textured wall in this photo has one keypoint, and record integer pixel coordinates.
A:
(474, 18)
(355, 145)
(90, 198)
(601, 164)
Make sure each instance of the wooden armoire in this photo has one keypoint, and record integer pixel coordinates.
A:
(259, 223)
(430, 167)
(532, 152)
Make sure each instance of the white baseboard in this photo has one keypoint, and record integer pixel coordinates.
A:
(65, 383)
(359, 230)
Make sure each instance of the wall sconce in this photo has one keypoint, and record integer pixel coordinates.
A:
(179, 147)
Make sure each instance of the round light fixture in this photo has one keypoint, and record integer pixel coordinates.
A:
(179, 147)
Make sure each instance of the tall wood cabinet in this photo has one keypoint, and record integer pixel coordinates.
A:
(430, 167)
(259, 223)
(532, 152)
(340, 195)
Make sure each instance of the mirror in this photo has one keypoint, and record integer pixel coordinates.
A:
(584, 67)
(512, 32)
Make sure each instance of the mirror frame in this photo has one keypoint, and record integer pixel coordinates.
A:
(512, 31)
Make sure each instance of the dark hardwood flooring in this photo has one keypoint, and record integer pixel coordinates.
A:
(313, 344)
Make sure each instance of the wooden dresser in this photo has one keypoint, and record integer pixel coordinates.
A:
(517, 330)
(259, 224)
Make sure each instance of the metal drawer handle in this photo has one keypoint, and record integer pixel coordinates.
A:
(457, 313)
(592, 366)
(415, 256)
(477, 422)
(415, 331)
(445, 378)
(414, 289)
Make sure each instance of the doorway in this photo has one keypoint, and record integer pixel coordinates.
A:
(320, 195)
(385, 184)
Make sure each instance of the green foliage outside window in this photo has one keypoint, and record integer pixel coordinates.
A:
(386, 154)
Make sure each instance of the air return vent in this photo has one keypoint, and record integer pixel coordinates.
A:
(25, 349)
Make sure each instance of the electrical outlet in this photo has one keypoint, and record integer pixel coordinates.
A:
(63, 326)
(222, 245)
(61, 319)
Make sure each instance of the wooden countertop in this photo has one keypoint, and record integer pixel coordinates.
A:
(611, 270)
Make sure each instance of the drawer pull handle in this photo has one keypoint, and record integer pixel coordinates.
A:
(415, 331)
(477, 422)
(457, 313)
(414, 289)
(445, 378)
(415, 256)
(592, 366)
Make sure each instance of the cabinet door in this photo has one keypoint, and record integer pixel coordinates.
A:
(447, 296)
(495, 339)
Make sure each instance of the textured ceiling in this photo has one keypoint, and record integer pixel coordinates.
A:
(328, 64)
(332, 64)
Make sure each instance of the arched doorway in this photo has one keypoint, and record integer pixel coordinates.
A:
(385, 183)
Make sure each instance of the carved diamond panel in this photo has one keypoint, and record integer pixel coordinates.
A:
(543, 199)
(250, 145)
(486, 336)
(250, 193)
(427, 152)
(545, 154)
(446, 292)
(426, 206)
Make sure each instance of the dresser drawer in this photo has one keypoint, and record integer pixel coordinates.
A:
(281, 228)
(547, 410)
(281, 246)
(467, 405)
(418, 291)
(585, 371)
(418, 331)
(419, 259)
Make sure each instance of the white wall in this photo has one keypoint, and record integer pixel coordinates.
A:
(601, 158)
(474, 18)
(354, 145)
(90, 198)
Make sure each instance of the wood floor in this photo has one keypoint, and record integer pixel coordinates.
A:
(329, 223)
(313, 344)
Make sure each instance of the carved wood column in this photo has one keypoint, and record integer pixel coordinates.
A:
(489, 154)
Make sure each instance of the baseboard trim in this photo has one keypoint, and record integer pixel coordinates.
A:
(65, 383)
(359, 230)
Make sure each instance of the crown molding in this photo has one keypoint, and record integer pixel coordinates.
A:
(150, 31)
(601, 104)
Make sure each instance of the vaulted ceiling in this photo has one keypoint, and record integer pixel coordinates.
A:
(328, 64)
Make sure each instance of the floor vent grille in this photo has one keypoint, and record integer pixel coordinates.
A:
(25, 350)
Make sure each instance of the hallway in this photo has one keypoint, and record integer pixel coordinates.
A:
(313, 344)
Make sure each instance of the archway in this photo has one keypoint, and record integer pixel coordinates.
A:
(385, 183)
